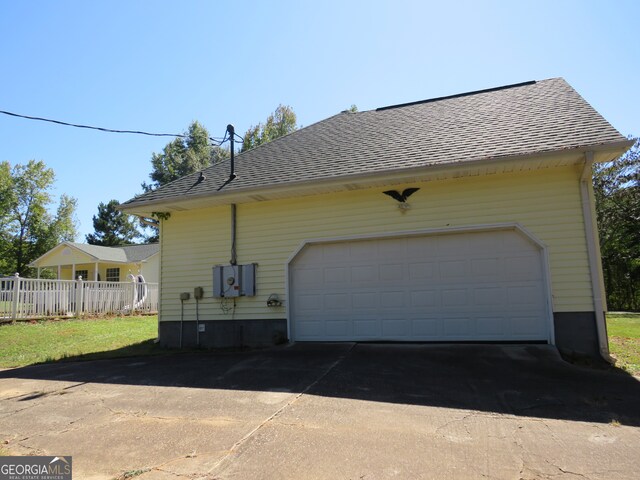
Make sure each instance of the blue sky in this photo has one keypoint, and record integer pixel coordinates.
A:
(158, 65)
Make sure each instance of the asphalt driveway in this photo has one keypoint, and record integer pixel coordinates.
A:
(352, 411)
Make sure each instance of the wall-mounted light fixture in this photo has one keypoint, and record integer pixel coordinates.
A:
(274, 300)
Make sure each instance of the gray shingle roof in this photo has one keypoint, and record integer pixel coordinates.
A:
(522, 119)
(123, 254)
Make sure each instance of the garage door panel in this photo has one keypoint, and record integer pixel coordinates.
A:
(392, 248)
(516, 244)
(337, 301)
(392, 300)
(364, 273)
(426, 328)
(453, 245)
(365, 251)
(490, 296)
(452, 269)
(490, 268)
(455, 297)
(336, 275)
(395, 272)
(458, 328)
(307, 303)
(422, 270)
(306, 276)
(490, 327)
(338, 328)
(521, 295)
(419, 247)
(336, 253)
(525, 326)
(366, 328)
(311, 329)
(523, 268)
(365, 300)
(396, 328)
(424, 298)
(464, 286)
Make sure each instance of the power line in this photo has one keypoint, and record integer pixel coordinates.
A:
(108, 130)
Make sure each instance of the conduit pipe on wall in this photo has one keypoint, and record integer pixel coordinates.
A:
(586, 196)
(234, 257)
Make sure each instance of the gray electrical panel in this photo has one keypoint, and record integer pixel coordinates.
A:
(234, 280)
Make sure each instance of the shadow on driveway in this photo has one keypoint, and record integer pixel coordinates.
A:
(521, 380)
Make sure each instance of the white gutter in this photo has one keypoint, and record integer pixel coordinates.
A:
(595, 267)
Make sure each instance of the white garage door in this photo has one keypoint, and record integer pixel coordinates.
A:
(485, 286)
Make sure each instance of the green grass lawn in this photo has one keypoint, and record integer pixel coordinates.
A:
(25, 343)
(624, 340)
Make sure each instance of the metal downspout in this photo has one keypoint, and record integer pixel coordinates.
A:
(592, 252)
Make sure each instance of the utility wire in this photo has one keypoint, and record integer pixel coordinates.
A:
(109, 130)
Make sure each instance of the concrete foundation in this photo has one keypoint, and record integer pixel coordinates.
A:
(577, 334)
(223, 333)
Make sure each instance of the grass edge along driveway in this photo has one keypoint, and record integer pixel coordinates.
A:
(624, 340)
(26, 343)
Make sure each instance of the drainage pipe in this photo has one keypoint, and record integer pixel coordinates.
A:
(586, 196)
(197, 322)
(181, 320)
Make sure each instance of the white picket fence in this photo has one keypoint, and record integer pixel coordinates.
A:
(27, 298)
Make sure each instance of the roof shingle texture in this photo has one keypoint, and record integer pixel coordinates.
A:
(543, 116)
(123, 254)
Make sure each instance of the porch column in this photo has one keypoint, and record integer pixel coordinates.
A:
(95, 272)
(38, 272)
(73, 271)
(59, 271)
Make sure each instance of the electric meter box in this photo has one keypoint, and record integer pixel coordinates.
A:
(234, 280)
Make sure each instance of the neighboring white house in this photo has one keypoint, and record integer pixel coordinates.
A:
(71, 260)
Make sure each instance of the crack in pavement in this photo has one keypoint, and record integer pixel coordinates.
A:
(145, 414)
(563, 471)
(278, 412)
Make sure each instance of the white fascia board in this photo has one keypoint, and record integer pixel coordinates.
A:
(604, 153)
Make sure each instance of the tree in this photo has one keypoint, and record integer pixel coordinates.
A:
(180, 157)
(617, 192)
(6, 199)
(183, 156)
(27, 228)
(279, 123)
(112, 227)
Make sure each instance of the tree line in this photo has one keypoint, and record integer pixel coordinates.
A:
(616, 186)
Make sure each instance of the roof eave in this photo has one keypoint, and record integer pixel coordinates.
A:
(614, 148)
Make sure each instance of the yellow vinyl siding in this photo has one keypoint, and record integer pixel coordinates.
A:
(151, 269)
(58, 257)
(545, 202)
(66, 271)
(125, 269)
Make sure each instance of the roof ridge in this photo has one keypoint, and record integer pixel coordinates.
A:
(285, 136)
(457, 95)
